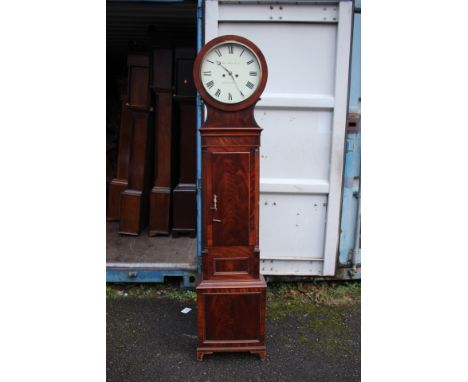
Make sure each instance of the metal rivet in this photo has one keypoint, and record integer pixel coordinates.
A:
(271, 6)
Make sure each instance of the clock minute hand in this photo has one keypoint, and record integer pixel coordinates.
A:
(230, 74)
(226, 69)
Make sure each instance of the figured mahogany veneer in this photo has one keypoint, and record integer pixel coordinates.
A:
(231, 317)
(133, 201)
(231, 295)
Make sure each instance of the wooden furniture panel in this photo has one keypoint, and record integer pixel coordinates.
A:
(160, 196)
(231, 317)
(233, 262)
(119, 183)
(230, 181)
(184, 208)
(133, 201)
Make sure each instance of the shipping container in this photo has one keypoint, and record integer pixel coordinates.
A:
(303, 112)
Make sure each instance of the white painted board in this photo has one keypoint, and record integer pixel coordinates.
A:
(303, 114)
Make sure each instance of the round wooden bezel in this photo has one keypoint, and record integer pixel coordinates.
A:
(235, 106)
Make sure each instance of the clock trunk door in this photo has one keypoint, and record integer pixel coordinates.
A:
(229, 203)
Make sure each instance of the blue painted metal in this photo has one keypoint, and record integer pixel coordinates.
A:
(355, 82)
(352, 173)
(352, 169)
(199, 122)
(135, 275)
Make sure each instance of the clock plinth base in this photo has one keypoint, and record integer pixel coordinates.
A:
(231, 316)
(184, 209)
(116, 187)
(160, 205)
(132, 212)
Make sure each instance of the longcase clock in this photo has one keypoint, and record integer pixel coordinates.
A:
(230, 73)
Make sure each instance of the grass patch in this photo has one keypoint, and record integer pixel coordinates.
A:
(319, 309)
(150, 291)
(282, 298)
(324, 293)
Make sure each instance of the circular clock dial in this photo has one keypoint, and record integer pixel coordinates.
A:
(230, 72)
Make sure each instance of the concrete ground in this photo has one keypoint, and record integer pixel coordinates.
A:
(310, 337)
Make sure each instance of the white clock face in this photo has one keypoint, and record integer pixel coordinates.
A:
(230, 72)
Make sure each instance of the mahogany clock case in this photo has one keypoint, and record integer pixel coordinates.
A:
(231, 294)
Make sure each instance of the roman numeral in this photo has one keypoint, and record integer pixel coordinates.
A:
(253, 73)
(210, 84)
(230, 96)
(249, 62)
(243, 50)
(242, 94)
(230, 49)
(208, 73)
(218, 52)
(210, 61)
(250, 85)
(218, 93)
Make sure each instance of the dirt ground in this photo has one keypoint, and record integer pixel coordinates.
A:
(313, 334)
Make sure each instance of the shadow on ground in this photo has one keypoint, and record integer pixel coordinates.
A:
(149, 339)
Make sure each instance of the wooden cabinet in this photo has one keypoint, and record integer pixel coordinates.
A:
(231, 294)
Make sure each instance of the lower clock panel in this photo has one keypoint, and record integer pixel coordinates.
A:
(231, 317)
